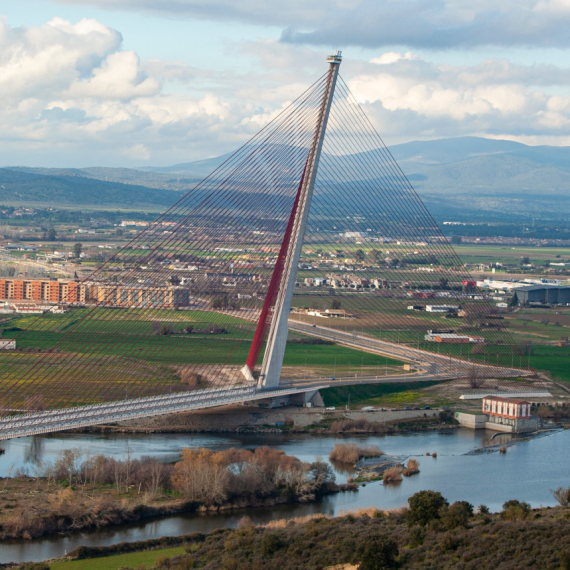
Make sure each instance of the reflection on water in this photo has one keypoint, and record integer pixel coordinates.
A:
(526, 472)
(34, 451)
(341, 468)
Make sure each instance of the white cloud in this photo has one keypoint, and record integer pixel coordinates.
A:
(440, 24)
(40, 61)
(119, 77)
(70, 94)
(428, 24)
(406, 94)
(249, 11)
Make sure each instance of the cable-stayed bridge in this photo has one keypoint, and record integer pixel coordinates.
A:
(312, 215)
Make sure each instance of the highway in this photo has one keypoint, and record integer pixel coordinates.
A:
(430, 363)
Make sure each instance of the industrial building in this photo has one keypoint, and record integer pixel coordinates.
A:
(547, 294)
(453, 338)
(441, 308)
(502, 414)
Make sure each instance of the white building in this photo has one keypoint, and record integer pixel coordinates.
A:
(441, 308)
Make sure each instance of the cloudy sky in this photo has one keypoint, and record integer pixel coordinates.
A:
(156, 82)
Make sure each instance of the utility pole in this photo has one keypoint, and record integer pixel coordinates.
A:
(270, 373)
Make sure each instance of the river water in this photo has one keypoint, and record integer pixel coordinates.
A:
(526, 472)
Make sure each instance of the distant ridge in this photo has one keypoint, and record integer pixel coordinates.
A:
(454, 176)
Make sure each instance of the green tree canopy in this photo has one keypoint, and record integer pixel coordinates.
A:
(424, 507)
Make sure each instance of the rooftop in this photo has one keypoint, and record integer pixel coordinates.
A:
(538, 287)
(508, 400)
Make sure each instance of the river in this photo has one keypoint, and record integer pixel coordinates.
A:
(526, 472)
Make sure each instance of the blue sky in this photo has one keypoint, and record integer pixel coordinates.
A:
(141, 82)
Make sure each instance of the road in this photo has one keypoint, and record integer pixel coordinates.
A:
(430, 363)
(68, 270)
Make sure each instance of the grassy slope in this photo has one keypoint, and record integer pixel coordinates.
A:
(130, 560)
(375, 394)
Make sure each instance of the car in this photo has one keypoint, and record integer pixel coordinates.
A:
(333, 378)
(394, 409)
(407, 408)
(416, 408)
(383, 410)
(367, 409)
(330, 409)
(426, 408)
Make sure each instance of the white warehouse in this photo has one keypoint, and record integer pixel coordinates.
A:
(441, 308)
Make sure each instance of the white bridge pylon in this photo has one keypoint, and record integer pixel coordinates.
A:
(270, 373)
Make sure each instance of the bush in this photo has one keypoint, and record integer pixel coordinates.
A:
(377, 552)
(447, 417)
(392, 475)
(351, 453)
(565, 560)
(424, 507)
(483, 509)
(458, 514)
(270, 544)
(450, 541)
(515, 510)
(417, 535)
(412, 468)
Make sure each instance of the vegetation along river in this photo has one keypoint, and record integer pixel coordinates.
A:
(526, 472)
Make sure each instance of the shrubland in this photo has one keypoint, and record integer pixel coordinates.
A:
(429, 534)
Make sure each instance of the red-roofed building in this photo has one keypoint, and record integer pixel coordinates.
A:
(506, 407)
(508, 414)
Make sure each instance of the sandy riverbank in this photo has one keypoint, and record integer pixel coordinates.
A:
(237, 418)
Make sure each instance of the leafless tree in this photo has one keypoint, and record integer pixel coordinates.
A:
(474, 379)
(562, 495)
(67, 464)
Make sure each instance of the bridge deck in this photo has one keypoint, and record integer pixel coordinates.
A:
(36, 423)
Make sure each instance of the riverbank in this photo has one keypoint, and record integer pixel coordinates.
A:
(441, 536)
(102, 512)
(238, 418)
(100, 492)
(492, 477)
(245, 419)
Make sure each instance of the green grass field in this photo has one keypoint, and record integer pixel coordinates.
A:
(553, 360)
(124, 359)
(404, 393)
(130, 560)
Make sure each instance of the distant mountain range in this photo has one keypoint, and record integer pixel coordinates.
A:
(465, 177)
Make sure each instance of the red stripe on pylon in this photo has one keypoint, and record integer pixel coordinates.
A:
(273, 288)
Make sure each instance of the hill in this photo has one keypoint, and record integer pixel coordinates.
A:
(465, 177)
(71, 188)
